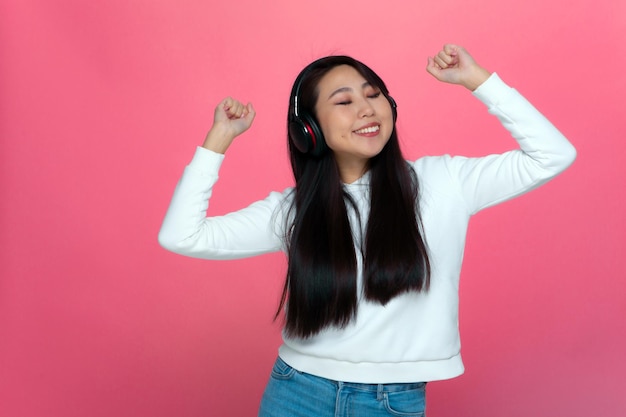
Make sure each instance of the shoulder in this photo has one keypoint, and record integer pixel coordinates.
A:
(428, 166)
(438, 175)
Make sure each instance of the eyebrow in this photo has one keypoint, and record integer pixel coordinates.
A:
(345, 89)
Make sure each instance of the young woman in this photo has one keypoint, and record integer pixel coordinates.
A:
(374, 243)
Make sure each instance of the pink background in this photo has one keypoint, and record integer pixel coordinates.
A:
(102, 104)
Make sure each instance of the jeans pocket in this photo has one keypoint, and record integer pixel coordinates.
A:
(282, 371)
(406, 403)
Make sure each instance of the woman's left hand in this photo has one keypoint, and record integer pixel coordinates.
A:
(453, 64)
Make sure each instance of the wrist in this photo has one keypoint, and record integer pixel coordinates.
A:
(478, 76)
(218, 140)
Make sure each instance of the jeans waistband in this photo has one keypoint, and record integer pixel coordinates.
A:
(380, 387)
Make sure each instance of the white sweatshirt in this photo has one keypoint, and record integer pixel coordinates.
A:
(414, 337)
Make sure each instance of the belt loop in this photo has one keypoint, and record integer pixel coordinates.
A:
(379, 392)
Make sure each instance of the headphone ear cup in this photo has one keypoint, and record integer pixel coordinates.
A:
(317, 137)
(307, 135)
(394, 107)
(300, 135)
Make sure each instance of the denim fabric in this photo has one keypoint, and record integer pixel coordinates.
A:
(291, 393)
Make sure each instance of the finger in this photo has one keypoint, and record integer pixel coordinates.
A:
(250, 112)
(451, 49)
(227, 103)
(441, 61)
(446, 56)
(226, 106)
(451, 58)
(221, 112)
(245, 110)
(432, 64)
(433, 68)
(238, 110)
(235, 110)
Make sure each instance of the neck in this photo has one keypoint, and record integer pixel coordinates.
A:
(350, 171)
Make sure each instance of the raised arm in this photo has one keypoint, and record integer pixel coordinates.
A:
(543, 151)
(187, 230)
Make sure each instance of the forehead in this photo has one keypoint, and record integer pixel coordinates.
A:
(340, 76)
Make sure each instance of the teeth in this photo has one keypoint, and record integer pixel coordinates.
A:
(370, 129)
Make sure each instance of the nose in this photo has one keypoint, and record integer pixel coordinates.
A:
(366, 109)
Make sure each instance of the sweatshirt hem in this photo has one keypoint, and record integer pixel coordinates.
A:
(374, 372)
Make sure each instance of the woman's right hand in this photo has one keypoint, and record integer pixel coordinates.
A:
(231, 119)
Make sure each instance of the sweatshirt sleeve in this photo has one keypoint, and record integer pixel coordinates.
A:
(187, 230)
(543, 151)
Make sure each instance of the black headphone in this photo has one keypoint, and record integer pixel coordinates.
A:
(303, 129)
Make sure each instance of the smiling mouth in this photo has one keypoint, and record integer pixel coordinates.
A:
(369, 129)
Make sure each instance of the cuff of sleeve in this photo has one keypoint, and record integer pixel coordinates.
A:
(206, 162)
(492, 91)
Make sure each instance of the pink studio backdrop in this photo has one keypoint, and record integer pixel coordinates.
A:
(102, 105)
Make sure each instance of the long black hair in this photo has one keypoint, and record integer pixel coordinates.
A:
(321, 285)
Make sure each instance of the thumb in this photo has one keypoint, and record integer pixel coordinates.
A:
(464, 58)
(451, 49)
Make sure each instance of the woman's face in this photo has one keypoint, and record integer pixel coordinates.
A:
(355, 117)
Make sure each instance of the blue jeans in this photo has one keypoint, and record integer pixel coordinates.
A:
(291, 393)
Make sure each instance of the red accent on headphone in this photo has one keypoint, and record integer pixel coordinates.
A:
(310, 130)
